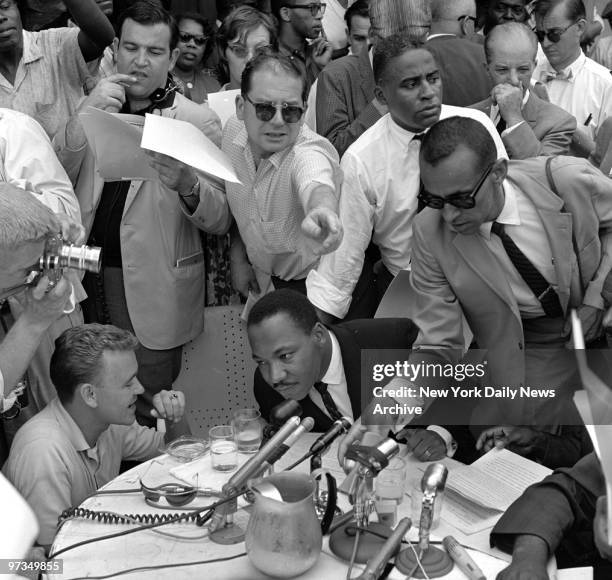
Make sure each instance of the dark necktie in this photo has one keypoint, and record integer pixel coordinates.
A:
(536, 282)
(329, 403)
(501, 125)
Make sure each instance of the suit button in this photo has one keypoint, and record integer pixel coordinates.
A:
(520, 345)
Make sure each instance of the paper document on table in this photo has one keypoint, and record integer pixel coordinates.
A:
(114, 139)
(223, 103)
(185, 142)
(585, 573)
(497, 479)
(467, 516)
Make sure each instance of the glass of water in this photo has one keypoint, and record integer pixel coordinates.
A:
(223, 449)
(247, 430)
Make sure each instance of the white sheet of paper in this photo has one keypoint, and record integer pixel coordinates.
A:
(496, 479)
(585, 573)
(115, 141)
(223, 103)
(184, 142)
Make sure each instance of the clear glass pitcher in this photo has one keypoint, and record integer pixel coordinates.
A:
(283, 538)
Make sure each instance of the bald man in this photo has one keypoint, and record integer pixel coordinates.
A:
(461, 61)
(528, 125)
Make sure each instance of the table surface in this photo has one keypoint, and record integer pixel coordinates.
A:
(146, 548)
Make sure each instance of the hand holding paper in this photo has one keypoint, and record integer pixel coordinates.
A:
(172, 173)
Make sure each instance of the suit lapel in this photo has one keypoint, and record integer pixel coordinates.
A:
(530, 110)
(478, 257)
(351, 362)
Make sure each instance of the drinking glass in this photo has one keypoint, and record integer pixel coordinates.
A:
(223, 449)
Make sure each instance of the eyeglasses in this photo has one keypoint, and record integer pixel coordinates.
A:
(460, 200)
(266, 111)
(186, 37)
(553, 35)
(241, 51)
(314, 8)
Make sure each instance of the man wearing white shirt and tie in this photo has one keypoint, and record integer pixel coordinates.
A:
(574, 82)
(381, 178)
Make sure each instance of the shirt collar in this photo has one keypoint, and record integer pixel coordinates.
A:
(69, 426)
(31, 50)
(509, 214)
(402, 135)
(570, 71)
(333, 374)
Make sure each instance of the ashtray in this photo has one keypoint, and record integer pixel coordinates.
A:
(186, 449)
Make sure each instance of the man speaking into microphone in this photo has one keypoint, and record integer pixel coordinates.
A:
(301, 359)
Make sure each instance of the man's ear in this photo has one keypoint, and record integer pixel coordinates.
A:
(380, 96)
(240, 107)
(284, 14)
(500, 170)
(115, 48)
(319, 333)
(87, 392)
(174, 57)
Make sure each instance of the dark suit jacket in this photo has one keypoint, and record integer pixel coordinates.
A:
(353, 336)
(345, 90)
(461, 62)
(560, 510)
(548, 129)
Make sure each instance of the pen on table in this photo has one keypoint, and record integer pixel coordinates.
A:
(463, 560)
(588, 120)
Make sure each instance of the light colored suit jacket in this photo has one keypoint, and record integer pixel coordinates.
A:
(454, 274)
(163, 263)
(548, 129)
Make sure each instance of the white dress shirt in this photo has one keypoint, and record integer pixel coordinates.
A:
(586, 93)
(378, 201)
(335, 379)
(522, 223)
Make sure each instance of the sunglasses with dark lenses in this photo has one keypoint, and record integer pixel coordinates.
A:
(266, 111)
(199, 40)
(553, 35)
(460, 200)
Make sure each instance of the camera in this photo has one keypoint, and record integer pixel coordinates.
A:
(58, 255)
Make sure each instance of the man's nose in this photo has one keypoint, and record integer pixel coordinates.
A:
(449, 213)
(277, 372)
(278, 117)
(138, 388)
(141, 58)
(514, 78)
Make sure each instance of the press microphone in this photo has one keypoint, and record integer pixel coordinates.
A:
(305, 426)
(339, 427)
(463, 560)
(249, 469)
(432, 484)
(376, 565)
(279, 415)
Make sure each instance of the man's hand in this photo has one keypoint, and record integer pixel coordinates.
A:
(243, 278)
(600, 529)
(323, 225)
(529, 558)
(523, 570)
(425, 445)
(73, 231)
(321, 52)
(174, 174)
(109, 94)
(42, 308)
(591, 319)
(169, 405)
(521, 440)
(509, 99)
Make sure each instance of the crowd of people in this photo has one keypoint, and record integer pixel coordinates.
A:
(467, 142)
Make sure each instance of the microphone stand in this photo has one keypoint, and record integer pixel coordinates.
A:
(347, 542)
(427, 559)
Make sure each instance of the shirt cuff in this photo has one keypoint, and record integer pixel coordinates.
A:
(509, 130)
(326, 296)
(451, 444)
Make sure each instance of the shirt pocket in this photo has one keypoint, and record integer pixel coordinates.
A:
(280, 236)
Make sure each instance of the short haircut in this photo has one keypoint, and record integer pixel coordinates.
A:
(273, 61)
(359, 8)
(574, 9)
(516, 31)
(285, 301)
(23, 218)
(442, 140)
(450, 9)
(387, 49)
(77, 358)
(149, 13)
(237, 25)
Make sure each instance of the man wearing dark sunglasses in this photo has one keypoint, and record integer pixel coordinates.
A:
(285, 207)
(301, 36)
(574, 82)
(77, 442)
(528, 125)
